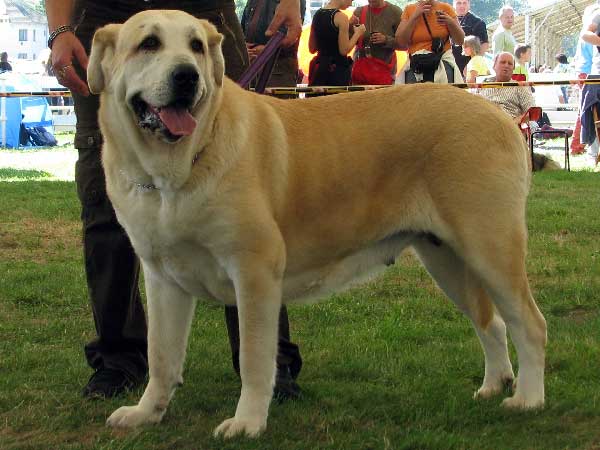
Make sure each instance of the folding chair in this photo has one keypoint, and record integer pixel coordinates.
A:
(535, 114)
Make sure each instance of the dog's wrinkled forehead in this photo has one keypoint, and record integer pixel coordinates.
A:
(148, 47)
(153, 31)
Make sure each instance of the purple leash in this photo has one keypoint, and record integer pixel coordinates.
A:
(265, 61)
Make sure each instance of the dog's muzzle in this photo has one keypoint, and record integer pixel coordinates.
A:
(172, 120)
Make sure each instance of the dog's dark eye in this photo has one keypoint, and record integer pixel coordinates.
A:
(150, 43)
(197, 46)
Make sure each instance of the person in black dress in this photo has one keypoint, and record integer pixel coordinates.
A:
(330, 39)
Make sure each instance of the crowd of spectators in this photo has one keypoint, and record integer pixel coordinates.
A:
(445, 44)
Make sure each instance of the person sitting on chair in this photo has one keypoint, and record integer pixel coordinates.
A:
(514, 100)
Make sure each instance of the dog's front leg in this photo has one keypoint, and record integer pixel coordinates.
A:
(170, 312)
(258, 294)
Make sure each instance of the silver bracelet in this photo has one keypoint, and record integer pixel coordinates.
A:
(59, 30)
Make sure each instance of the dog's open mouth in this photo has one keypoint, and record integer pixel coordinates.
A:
(172, 121)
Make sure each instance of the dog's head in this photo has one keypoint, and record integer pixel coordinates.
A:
(162, 65)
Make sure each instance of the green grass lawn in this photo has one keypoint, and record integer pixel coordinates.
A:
(392, 365)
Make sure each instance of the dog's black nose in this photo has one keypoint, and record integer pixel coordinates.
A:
(184, 78)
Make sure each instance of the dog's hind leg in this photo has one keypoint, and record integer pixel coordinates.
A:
(497, 256)
(500, 262)
(170, 313)
(465, 289)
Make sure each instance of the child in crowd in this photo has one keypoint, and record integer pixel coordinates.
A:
(477, 65)
(563, 68)
(522, 58)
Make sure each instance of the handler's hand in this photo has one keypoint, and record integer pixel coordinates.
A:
(65, 49)
(422, 8)
(442, 18)
(360, 29)
(254, 50)
(287, 14)
(378, 38)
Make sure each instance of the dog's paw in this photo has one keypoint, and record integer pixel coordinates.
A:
(234, 427)
(132, 416)
(518, 402)
(485, 392)
(491, 389)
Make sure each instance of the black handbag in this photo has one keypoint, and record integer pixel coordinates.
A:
(425, 62)
(428, 62)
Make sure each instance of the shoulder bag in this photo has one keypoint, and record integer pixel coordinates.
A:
(428, 62)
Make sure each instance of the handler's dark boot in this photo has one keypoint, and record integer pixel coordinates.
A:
(108, 383)
(286, 387)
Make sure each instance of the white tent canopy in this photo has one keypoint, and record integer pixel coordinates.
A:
(544, 27)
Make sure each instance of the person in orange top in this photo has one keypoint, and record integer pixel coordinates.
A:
(426, 27)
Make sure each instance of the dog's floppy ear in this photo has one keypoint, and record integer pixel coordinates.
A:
(214, 49)
(101, 57)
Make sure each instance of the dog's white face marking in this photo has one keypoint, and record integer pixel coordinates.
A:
(162, 70)
(164, 100)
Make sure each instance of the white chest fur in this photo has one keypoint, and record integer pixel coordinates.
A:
(172, 245)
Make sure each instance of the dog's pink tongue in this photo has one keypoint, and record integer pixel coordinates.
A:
(178, 120)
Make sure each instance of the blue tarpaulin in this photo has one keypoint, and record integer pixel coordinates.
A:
(31, 111)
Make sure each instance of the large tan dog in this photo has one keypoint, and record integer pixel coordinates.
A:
(251, 200)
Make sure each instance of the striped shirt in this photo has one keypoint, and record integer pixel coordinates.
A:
(514, 100)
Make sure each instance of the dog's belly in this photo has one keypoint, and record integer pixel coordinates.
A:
(356, 268)
(197, 272)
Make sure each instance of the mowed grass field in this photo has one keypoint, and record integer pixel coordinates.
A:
(390, 365)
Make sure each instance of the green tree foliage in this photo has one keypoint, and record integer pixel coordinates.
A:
(400, 3)
(488, 9)
(569, 44)
(38, 6)
(239, 7)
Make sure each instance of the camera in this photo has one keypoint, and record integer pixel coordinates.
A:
(437, 45)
